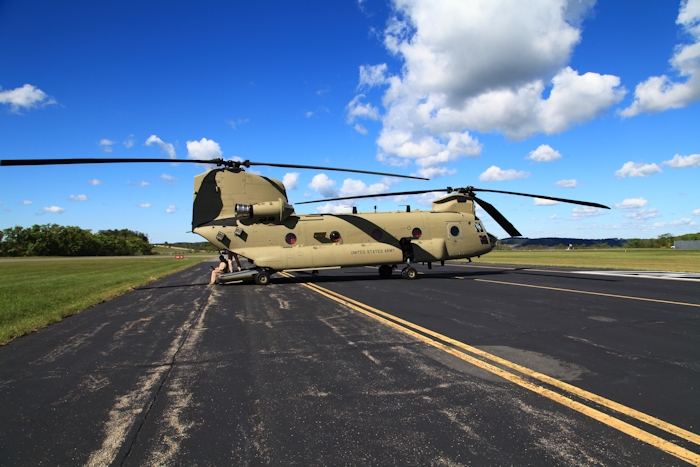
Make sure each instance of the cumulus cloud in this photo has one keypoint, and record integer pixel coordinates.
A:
(631, 203)
(360, 129)
(141, 183)
(586, 211)
(106, 144)
(637, 169)
(567, 183)
(496, 174)
(680, 222)
(27, 97)
(334, 208)
(641, 214)
(78, 198)
(144, 205)
(357, 109)
(204, 149)
(484, 65)
(660, 93)
(696, 212)
(544, 153)
(167, 148)
(234, 123)
(169, 179)
(683, 162)
(353, 187)
(25, 202)
(290, 180)
(94, 182)
(324, 185)
(52, 209)
(170, 209)
(545, 202)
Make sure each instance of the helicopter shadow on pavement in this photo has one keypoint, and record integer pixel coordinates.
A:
(355, 276)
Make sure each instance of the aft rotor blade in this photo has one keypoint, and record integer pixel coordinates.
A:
(395, 193)
(314, 167)
(563, 200)
(498, 217)
(18, 162)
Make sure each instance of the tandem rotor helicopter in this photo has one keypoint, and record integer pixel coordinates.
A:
(250, 215)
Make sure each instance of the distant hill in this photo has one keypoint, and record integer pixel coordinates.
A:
(555, 241)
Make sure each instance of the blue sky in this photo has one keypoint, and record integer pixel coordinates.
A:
(577, 99)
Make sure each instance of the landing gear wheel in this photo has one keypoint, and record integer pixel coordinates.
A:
(409, 273)
(262, 278)
(385, 271)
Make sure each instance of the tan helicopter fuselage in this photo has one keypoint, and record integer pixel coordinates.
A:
(249, 215)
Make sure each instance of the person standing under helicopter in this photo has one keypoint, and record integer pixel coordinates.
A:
(233, 256)
(219, 270)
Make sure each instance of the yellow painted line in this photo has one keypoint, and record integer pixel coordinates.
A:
(591, 293)
(631, 430)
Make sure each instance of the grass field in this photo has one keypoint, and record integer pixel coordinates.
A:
(630, 259)
(36, 292)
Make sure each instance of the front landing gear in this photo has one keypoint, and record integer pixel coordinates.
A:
(409, 272)
(262, 278)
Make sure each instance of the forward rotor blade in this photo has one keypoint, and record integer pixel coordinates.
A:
(378, 195)
(498, 217)
(563, 200)
(314, 167)
(18, 162)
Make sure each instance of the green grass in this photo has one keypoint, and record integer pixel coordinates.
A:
(37, 292)
(630, 259)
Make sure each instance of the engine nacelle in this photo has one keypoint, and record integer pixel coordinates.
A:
(266, 211)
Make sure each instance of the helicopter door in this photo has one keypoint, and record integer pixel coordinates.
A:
(455, 239)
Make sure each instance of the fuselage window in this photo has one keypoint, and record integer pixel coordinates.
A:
(416, 233)
(377, 234)
(454, 231)
(291, 239)
(478, 227)
(335, 236)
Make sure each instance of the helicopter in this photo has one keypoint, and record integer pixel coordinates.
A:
(250, 215)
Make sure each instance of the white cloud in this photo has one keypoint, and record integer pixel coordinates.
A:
(426, 199)
(170, 209)
(371, 76)
(696, 212)
(290, 180)
(94, 182)
(544, 153)
(334, 208)
(496, 174)
(637, 169)
(483, 65)
(141, 183)
(204, 149)
(52, 209)
(309, 114)
(553, 216)
(144, 205)
(683, 162)
(660, 93)
(353, 187)
(545, 202)
(360, 129)
(643, 214)
(106, 144)
(631, 203)
(167, 148)
(586, 211)
(26, 97)
(129, 142)
(234, 123)
(567, 183)
(78, 198)
(357, 109)
(25, 202)
(676, 223)
(169, 179)
(324, 185)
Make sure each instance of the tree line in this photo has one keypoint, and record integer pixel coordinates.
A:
(662, 241)
(58, 240)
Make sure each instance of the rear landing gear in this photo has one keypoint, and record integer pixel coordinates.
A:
(262, 278)
(409, 272)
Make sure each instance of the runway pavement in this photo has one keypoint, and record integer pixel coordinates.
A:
(467, 365)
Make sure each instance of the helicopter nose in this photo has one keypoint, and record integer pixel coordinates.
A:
(492, 240)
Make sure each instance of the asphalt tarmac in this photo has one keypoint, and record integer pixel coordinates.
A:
(466, 365)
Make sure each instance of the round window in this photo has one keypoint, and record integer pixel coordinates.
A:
(416, 233)
(377, 234)
(335, 236)
(291, 239)
(454, 231)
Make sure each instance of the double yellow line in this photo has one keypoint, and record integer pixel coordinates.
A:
(459, 349)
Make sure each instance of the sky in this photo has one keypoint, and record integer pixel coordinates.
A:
(594, 101)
